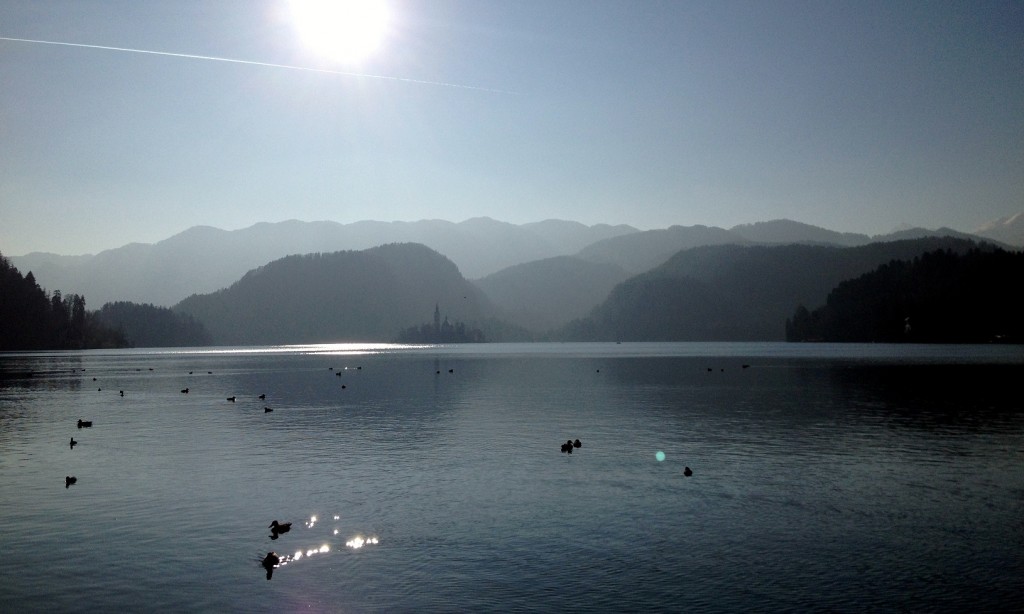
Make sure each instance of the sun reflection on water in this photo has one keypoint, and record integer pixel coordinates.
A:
(355, 542)
(359, 541)
(350, 349)
(335, 349)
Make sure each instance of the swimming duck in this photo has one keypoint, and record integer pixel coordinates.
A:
(184, 391)
(69, 480)
(267, 410)
(269, 562)
(84, 423)
(687, 471)
(577, 444)
(232, 399)
(278, 527)
(73, 442)
(263, 397)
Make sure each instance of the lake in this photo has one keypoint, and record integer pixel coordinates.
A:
(430, 479)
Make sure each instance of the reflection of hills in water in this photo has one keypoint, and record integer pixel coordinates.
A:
(975, 398)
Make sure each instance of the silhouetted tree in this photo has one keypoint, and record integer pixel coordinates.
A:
(29, 320)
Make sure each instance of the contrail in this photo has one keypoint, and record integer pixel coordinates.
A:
(211, 58)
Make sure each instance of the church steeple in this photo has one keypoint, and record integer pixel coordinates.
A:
(437, 318)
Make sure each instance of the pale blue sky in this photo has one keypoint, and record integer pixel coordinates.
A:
(856, 116)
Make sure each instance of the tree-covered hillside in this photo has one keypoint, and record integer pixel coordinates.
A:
(368, 295)
(939, 297)
(734, 292)
(150, 326)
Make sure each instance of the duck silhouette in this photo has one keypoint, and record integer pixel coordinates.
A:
(84, 424)
(269, 562)
(577, 444)
(232, 399)
(276, 528)
(73, 443)
(69, 480)
(184, 391)
(267, 410)
(687, 471)
(263, 397)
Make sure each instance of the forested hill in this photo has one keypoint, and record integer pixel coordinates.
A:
(367, 295)
(939, 297)
(151, 326)
(32, 319)
(737, 293)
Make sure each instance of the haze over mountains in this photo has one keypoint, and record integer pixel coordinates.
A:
(204, 259)
(693, 283)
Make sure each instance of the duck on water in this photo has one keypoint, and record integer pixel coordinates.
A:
(276, 528)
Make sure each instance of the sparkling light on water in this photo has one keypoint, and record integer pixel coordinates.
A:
(359, 541)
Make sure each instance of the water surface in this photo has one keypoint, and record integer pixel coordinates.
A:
(826, 477)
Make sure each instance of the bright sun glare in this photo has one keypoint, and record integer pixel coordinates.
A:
(343, 30)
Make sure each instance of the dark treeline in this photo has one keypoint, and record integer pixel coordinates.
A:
(151, 326)
(30, 319)
(939, 297)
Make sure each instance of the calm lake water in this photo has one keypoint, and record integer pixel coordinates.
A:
(825, 477)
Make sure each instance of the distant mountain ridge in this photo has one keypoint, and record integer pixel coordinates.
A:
(788, 231)
(1008, 230)
(203, 259)
(642, 251)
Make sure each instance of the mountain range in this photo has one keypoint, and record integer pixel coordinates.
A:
(203, 259)
(738, 292)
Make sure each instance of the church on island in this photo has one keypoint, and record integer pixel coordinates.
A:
(440, 331)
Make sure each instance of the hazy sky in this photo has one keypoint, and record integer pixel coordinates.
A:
(856, 116)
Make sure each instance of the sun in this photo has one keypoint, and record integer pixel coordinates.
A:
(347, 31)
